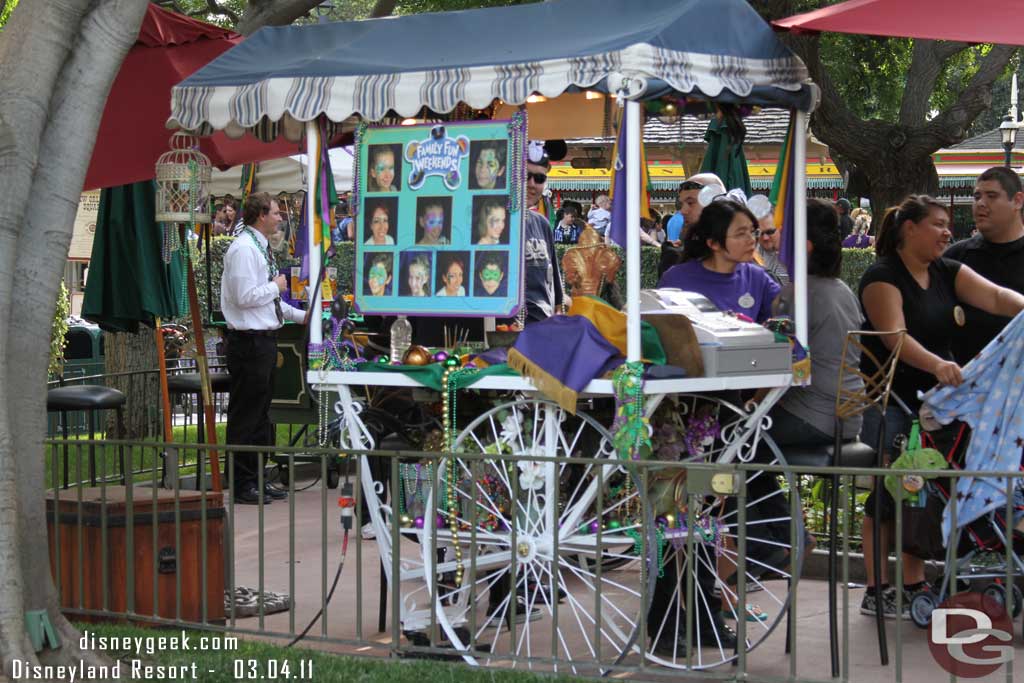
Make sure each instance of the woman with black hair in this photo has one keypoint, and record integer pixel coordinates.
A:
(719, 265)
(912, 287)
(805, 416)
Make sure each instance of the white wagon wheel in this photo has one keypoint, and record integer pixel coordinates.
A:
(553, 605)
(769, 546)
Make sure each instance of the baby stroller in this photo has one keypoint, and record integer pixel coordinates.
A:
(976, 554)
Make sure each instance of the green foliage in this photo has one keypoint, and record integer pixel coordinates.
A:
(855, 262)
(868, 72)
(201, 10)
(6, 7)
(59, 331)
(993, 116)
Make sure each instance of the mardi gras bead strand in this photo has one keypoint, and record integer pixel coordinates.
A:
(517, 129)
(357, 169)
(630, 433)
(450, 386)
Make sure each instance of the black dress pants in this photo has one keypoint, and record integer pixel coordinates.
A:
(667, 605)
(252, 360)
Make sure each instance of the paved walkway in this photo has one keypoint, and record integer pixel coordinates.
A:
(360, 582)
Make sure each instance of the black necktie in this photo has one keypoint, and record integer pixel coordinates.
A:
(272, 272)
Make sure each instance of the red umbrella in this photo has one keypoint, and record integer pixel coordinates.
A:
(132, 135)
(981, 21)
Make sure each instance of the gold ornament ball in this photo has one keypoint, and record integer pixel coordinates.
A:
(405, 521)
(417, 355)
(671, 519)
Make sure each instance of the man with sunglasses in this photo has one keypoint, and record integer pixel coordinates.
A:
(768, 250)
(543, 286)
(543, 281)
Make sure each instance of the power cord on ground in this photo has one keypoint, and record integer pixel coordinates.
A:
(347, 503)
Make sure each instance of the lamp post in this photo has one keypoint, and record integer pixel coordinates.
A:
(1008, 131)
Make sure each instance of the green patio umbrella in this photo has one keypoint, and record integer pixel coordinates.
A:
(724, 156)
(129, 283)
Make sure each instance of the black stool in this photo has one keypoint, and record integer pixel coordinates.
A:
(88, 397)
(190, 383)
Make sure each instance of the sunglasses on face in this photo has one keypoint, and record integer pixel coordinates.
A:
(769, 232)
(539, 178)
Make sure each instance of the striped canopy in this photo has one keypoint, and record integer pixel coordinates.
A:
(281, 77)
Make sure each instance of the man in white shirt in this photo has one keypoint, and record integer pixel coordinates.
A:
(250, 296)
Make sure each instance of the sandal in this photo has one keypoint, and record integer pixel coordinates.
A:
(754, 613)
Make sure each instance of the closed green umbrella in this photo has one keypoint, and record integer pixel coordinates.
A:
(129, 283)
(724, 156)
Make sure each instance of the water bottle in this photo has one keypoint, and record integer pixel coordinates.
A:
(401, 338)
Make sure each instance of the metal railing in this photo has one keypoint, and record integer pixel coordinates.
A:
(142, 387)
(166, 557)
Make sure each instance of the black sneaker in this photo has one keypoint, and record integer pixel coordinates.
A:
(869, 605)
(250, 496)
(274, 492)
(717, 634)
(667, 646)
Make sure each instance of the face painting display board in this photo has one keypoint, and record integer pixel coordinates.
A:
(439, 224)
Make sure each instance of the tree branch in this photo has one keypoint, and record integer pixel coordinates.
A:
(832, 122)
(950, 126)
(926, 65)
(172, 5)
(383, 8)
(217, 9)
(273, 13)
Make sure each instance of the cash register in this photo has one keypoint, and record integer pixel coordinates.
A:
(730, 346)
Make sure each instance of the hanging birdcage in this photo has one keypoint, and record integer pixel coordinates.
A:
(183, 182)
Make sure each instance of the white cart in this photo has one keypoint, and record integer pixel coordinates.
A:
(542, 525)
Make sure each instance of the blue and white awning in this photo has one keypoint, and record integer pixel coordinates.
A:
(283, 76)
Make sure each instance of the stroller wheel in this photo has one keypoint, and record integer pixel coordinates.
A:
(997, 592)
(921, 607)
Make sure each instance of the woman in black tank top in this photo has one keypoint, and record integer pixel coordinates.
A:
(912, 287)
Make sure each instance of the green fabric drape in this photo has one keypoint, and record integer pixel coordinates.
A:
(724, 157)
(128, 282)
(430, 375)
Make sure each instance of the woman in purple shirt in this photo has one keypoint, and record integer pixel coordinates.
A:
(719, 265)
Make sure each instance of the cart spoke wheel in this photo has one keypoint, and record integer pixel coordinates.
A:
(529, 537)
(702, 571)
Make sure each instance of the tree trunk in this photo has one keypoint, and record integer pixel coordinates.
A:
(57, 62)
(135, 352)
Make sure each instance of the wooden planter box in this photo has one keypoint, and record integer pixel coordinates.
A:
(184, 561)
